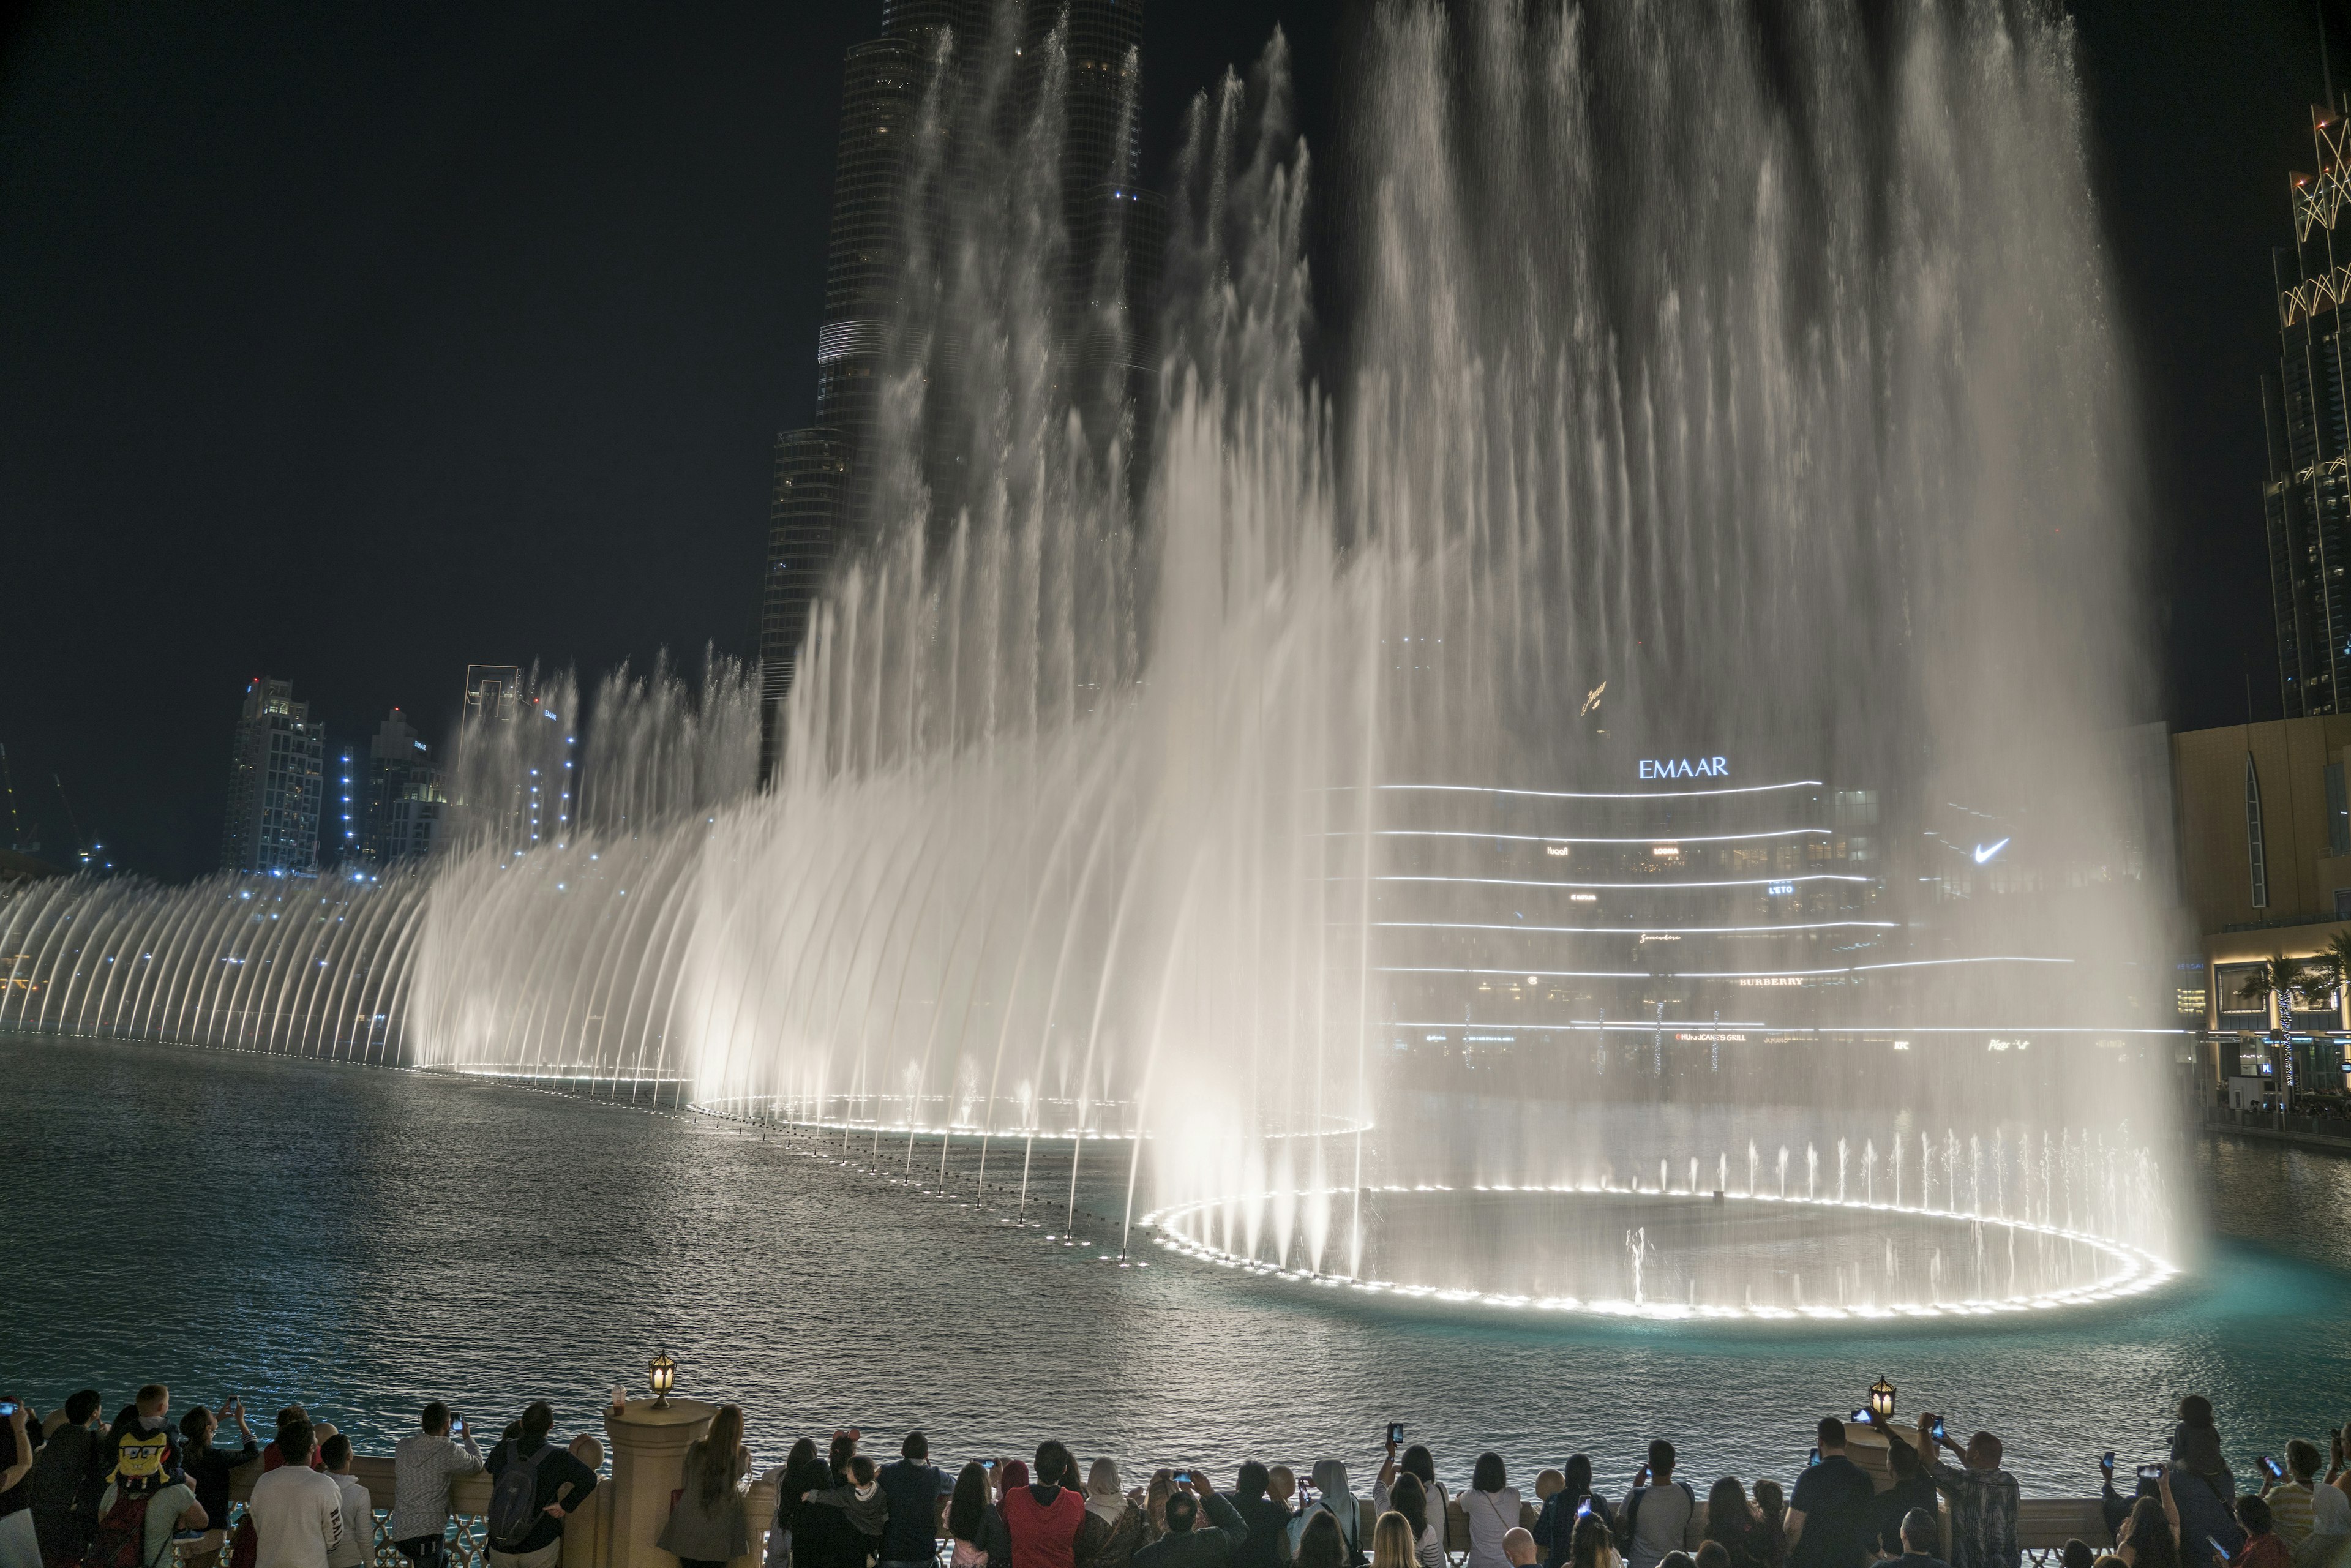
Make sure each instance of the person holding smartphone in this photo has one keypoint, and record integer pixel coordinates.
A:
(1983, 1496)
(423, 1463)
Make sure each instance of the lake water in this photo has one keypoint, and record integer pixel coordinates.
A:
(361, 1240)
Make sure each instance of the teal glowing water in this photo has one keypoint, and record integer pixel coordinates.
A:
(361, 1240)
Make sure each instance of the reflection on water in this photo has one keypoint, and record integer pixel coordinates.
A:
(361, 1240)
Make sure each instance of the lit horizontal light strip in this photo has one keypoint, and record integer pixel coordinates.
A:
(1646, 1025)
(1639, 930)
(1657, 838)
(2137, 1269)
(1523, 881)
(1696, 974)
(1605, 795)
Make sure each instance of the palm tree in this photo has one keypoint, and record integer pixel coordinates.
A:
(2282, 979)
(2332, 967)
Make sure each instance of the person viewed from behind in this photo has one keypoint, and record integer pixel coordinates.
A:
(1321, 1544)
(2196, 1449)
(1661, 1513)
(2262, 1547)
(1268, 1542)
(1408, 1500)
(534, 1485)
(1334, 1496)
(20, 1538)
(2147, 1539)
(1416, 1460)
(1593, 1545)
(1736, 1526)
(275, 1453)
(1920, 1535)
(69, 1473)
(1491, 1506)
(916, 1491)
(1575, 1499)
(1829, 1517)
(705, 1527)
(423, 1463)
(1518, 1547)
(1395, 1543)
(148, 1413)
(841, 1526)
(1911, 1488)
(802, 1473)
(1983, 1498)
(1193, 1541)
(970, 1510)
(296, 1512)
(144, 1504)
(209, 1467)
(2302, 1505)
(1771, 1513)
(358, 1543)
(1121, 1521)
(1711, 1555)
(1044, 1517)
(2076, 1553)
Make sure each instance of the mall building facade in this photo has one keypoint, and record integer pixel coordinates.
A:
(2265, 871)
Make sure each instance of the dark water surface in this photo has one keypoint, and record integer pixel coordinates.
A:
(361, 1240)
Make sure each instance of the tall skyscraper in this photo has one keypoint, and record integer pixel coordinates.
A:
(2306, 502)
(494, 691)
(277, 784)
(404, 795)
(825, 475)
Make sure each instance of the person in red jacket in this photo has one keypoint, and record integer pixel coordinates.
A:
(1044, 1518)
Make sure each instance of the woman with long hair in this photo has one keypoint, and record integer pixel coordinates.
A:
(1410, 1502)
(2147, 1539)
(1395, 1543)
(1491, 1506)
(1593, 1546)
(1731, 1521)
(968, 1510)
(802, 1472)
(1772, 1515)
(705, 1527)
(1319, 1544)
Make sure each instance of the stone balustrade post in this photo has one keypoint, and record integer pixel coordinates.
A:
(648, 1447)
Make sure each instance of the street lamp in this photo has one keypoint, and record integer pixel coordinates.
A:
(660, 1373)
(1881, 1400)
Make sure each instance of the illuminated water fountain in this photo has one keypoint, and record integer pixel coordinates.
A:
(1596, 807)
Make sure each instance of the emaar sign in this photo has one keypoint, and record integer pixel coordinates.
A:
(1684, 768)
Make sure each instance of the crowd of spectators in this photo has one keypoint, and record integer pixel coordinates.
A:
(77, 1492)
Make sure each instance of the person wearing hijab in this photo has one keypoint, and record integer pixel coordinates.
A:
(1338, 1500)
(1122, 1522)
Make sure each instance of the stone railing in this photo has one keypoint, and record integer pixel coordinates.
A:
(623, 1516)
(617, 1526)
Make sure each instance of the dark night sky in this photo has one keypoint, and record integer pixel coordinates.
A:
(352, 344)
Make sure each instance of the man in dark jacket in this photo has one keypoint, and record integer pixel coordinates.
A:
(561, 1483)
(67, 1475)
(918, 1491)
(1190, 1544)
(842, 1527)
(1266, 1545)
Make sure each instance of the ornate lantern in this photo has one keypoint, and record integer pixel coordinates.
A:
(1881, 1400)
(661, 1374)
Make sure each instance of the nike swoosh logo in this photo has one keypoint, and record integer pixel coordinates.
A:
(1985, 852)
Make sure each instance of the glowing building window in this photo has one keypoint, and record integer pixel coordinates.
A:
(2254, 856)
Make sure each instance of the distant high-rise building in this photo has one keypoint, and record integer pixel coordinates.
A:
(494, 691)
(2306, 501)
(404, 797)
(825, 475)
(276, 783)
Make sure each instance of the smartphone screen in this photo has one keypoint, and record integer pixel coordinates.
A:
(1183, 1478)
(2109, 1459)
(1937, 1430)
(2150, 1472)
(987, 1464)
(1815, 1458)
(1861, 1418)
(1395, 1431)
(456, 1423)
(7, 1406)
